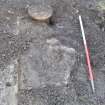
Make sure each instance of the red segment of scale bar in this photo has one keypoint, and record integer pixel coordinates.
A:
(88, 63)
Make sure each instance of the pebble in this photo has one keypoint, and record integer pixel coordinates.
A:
(101, 5)
(40, 11)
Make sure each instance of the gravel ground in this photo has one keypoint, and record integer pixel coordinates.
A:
(44, 63)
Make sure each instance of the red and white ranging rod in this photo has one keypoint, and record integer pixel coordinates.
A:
(87, 54)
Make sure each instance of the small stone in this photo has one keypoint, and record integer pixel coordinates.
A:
(101, 5)
(8, 84)
(52, 41)
(40, 12)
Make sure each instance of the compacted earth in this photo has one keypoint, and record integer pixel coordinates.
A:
(43, 63)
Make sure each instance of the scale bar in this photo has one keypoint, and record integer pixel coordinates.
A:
(87, 55)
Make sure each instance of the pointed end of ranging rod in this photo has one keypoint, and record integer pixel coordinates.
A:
(92, 84)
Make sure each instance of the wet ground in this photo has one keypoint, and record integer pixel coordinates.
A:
(35, 72)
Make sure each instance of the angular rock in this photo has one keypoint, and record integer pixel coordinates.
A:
(47, 65)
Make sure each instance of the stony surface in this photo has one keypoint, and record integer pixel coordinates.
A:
(44, 64)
